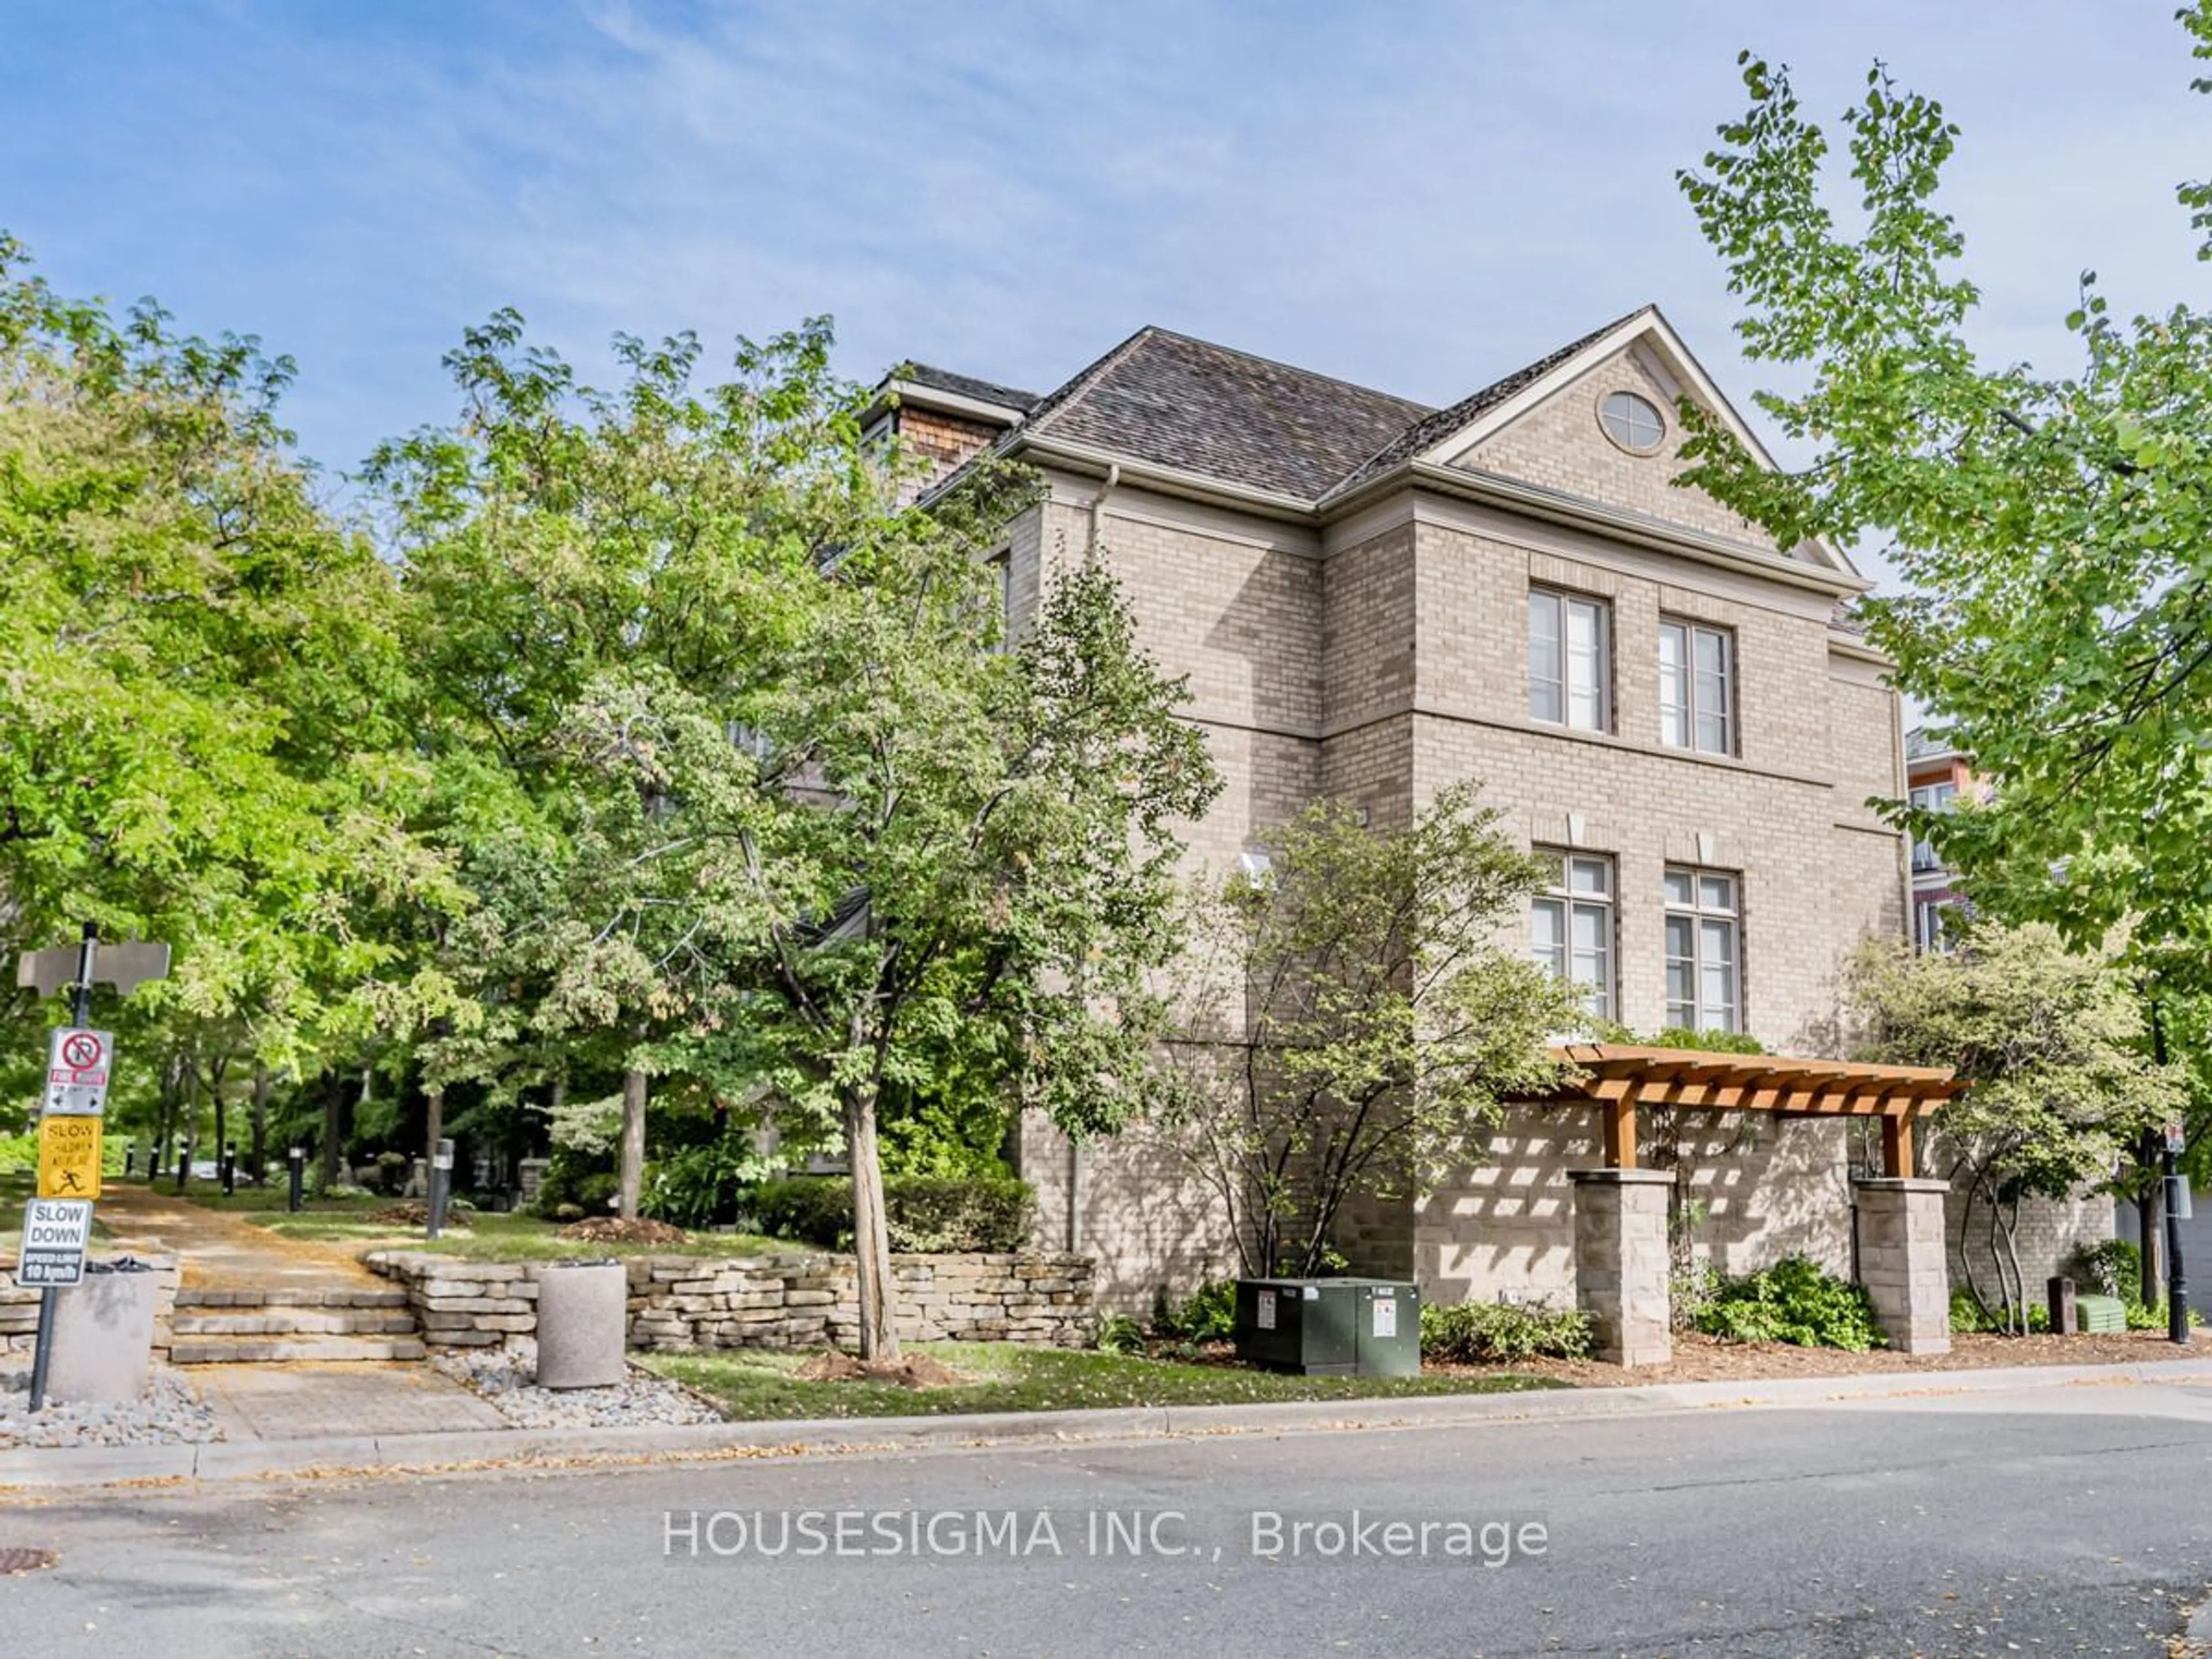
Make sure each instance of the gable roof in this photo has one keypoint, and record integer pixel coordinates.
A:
(1441, 424)
(1197, 407)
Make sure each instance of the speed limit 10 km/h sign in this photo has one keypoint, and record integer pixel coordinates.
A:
(78, 1065)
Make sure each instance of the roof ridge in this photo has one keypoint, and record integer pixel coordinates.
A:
(1288, 368)
(1419, 434)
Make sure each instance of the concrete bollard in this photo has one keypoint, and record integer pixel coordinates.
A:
(583, 1316)
(104, 1333)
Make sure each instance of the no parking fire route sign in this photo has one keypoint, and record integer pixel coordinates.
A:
(77, 1062)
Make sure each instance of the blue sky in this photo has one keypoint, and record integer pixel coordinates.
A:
(1419, 197)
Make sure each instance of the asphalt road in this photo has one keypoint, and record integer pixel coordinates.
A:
(2053, 1521)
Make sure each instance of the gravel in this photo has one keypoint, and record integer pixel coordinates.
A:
(506, 1378)
(167, 1415)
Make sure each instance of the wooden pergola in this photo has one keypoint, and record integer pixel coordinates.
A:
(1622, 1078)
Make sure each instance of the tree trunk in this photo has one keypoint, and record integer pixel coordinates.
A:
(262, 1087)
(633, 1144)
(191, 1123)
(871, 1241)
(222, 1122)
(333, 1125)
(2150, 1229)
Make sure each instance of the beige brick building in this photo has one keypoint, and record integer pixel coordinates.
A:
(1373, 600)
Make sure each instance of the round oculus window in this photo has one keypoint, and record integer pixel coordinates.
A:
(1631, 422)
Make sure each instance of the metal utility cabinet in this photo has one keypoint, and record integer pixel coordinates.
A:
(1330, 1326)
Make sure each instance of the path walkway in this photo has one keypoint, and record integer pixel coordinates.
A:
(301, 1402)
(221, 1250)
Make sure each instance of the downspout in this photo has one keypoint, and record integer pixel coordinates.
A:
(1099, 513)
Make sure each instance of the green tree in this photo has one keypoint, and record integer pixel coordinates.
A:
(2054, 526)
(202, 669)
(975, 872)
(1352, 1023)
(597, 585)
(2053, 1042)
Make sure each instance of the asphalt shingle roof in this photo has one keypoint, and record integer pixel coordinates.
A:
(1440, 425)
(966, 386)
(1186, 403)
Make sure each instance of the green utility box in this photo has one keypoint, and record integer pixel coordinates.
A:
(2100, 1315)
(1330, 1326)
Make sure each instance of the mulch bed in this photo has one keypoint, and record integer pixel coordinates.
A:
(916, 1370)
(414, 1213)
(1708, 1360)
(611, 1230)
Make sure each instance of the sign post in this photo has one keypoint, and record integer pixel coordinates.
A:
(2177, 1287)
(58, 1223)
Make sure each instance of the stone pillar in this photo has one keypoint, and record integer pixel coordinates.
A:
(1620, 1262)
(1904, 1261)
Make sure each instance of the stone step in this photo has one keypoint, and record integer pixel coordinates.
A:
(264, 1350)
(290, 1296)
(296, 1321)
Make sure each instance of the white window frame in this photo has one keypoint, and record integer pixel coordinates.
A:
(1934, 798)
(1694, 701)
(1583, 700)
(1704, 909)
(1931, 931)
(1583, 889)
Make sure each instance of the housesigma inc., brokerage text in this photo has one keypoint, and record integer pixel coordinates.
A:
(1161, 1534)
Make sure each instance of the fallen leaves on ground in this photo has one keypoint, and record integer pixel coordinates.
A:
(913, 1370)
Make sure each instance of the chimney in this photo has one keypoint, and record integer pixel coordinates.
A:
(939, 420)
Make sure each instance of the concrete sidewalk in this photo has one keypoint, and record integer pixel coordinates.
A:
(460, 1446)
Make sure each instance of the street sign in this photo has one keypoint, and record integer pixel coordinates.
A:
(68, 1157)
(77, 1062)
(126, 966)
(2173, 1137)
(56, 1232)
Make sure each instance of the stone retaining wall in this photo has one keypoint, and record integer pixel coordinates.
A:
(764, 1302)
(19, 1308)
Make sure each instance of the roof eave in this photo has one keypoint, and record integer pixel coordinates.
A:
(1042, 449)
(1496, 490)
(895, 392)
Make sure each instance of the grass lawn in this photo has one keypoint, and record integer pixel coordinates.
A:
(490, 1236)
(1013, 1376)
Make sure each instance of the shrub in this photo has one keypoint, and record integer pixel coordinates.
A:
(1208, 1314)
(393, 1171)
(1119, 1334)
(923, 1213)
(1795, 1301)
(2111, 1269)
(1483, 1333)
(1718, 1042)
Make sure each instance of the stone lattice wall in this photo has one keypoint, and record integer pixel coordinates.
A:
(764, 1302)
(19, 1308)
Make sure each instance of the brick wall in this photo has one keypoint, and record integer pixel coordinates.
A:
(1757, 1189)
(806, 1301)
(1560, 445)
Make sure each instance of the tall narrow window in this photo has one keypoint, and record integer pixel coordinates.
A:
(1933, 797)
(1704, 955)
(1570, 927)
(1697, 687)
(1570, 661)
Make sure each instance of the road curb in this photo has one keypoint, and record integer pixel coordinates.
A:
(429, 1452)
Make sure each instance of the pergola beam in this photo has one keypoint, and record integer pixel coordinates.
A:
(1622, 1079)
